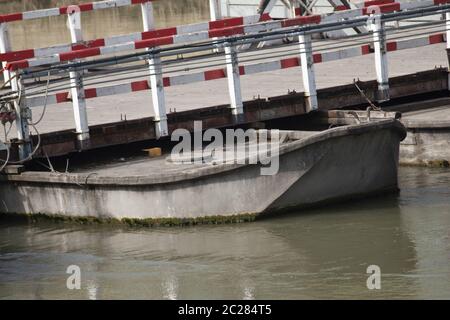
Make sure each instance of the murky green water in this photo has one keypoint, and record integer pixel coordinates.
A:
(320, 253)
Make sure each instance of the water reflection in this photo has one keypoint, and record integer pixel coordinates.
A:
(321, 253)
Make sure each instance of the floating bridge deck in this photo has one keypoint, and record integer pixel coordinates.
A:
(245, 90)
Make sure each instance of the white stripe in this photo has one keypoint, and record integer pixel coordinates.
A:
(40, 101)
(408, 44)
(339, 15)
(193, 37)
(124, 38)
(262, 67)
(251, 19)
(341, 54)
(113, 90)
(117, 48)
(262, 27)
(43, 61)
(193, 28)
(111, 4)
(41, 13)
(52, 50)
(187, 78)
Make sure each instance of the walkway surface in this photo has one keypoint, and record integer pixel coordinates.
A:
(205, 94)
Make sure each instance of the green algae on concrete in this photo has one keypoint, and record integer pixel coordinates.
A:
(131, 222)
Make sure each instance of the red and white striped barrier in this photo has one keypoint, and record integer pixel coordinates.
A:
(138, 36)
(209, 75)
(150, 41)
(37, 14)
(166, 37)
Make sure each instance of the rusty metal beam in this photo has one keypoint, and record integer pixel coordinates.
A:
(258, 110)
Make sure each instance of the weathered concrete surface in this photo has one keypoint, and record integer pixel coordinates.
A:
(428, 139)
(337, 163)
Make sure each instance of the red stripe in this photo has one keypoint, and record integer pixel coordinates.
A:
(166, 82)
(153, 42)
(62, 97)
(340, 8)
(90, 93)
(215, 74)
(298, 11)
(301, 21)
(17, 55)
(67, 56)
(385, 8)
(317, 58)
(241, 70)
(89, 44)
(290, 63)
(226, 32)
(139, 86)
(11, 17)
(437, 2)
(391, 46)
(265, 17)
(377, 2)
(365, 49)
(225, 23)
(436, 38)
(82, 7)
(12, 66)
(140, 1)
(159, 33)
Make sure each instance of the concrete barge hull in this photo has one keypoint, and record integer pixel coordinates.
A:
(334, 164)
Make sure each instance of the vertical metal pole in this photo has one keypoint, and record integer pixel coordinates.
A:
(23, 114)
(148, 17)
(292, 8)
(234, 80)
(77, 89)
(381, 63)
(156, 77)
(307, 65)
(5, 46)
(447, 34)
(215, 10)
(158, 96)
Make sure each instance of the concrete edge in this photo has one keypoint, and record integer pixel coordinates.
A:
(84, 180)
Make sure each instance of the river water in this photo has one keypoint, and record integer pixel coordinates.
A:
(320, 253)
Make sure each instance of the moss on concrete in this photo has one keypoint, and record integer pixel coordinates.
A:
(439, 163)
(428, 163)
(131, 222)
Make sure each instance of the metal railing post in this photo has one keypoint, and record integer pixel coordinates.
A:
(307, 66)
(215, 10)
(76, 84)
(381, 62)
(5, 46)
(158, 96)
(156, 77)
(447, 35)
(148, 17)
(234, 80)
(23, 114)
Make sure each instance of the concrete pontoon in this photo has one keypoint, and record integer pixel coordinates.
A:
(342, 162)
